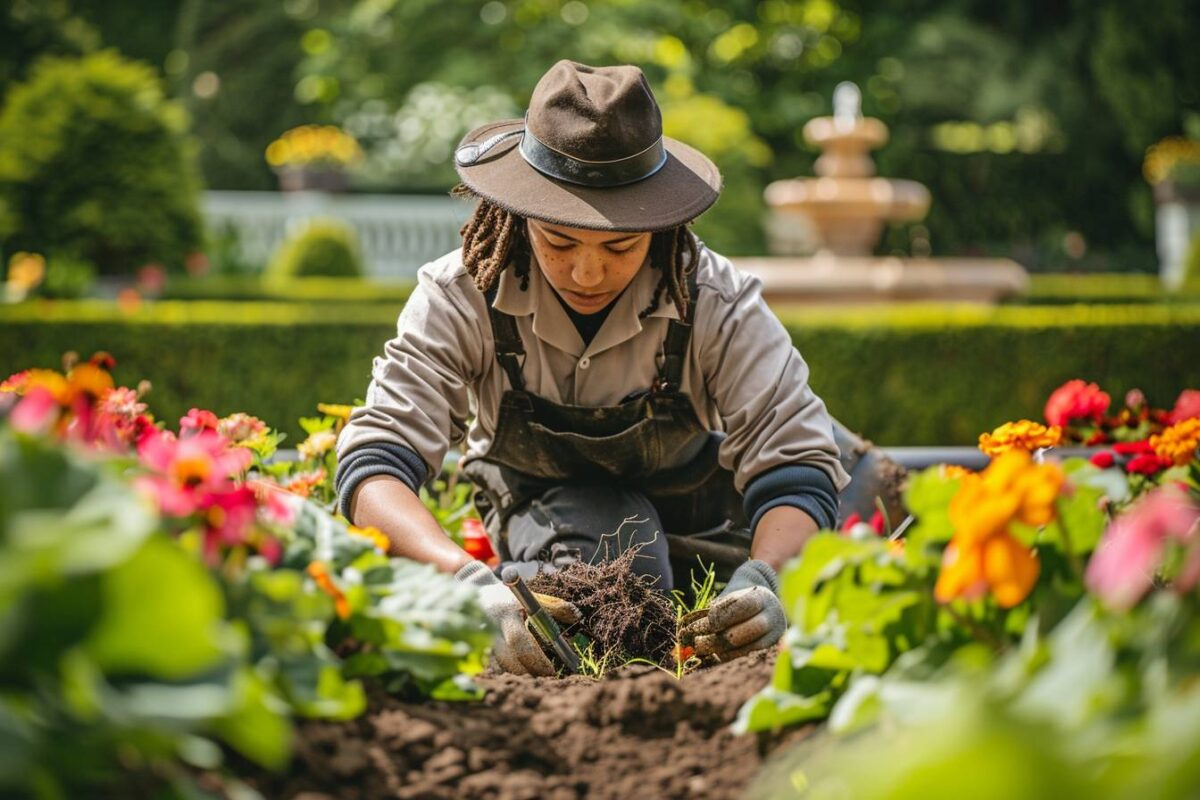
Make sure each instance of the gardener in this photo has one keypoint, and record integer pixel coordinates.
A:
(622, 380)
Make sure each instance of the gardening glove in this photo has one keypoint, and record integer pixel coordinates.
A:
(745, 617)
(516, 650)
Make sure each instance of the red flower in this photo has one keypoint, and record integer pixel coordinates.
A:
(1099, 437)
(1147, 464)
(1187, 405)
(1104, 459)
(1076, 400)
(1133, 448)
(475, 540)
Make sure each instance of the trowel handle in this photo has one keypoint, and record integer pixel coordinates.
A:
(541, 619)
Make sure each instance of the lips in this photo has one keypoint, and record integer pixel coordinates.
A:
(589, 300)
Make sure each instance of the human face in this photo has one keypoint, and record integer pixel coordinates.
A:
(587, 268)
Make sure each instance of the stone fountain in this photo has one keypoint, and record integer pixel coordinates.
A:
(840, 214)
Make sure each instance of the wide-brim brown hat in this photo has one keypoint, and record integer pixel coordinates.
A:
(589, 154)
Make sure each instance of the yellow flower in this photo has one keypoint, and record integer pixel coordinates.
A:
(341, 413)
(314, 144)
(1178, 443)
(317, 444)
(26, 271)
(1164, 156)
(1023, 434)
(373, 534)
(332, 410)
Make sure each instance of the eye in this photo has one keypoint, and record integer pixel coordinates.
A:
(559, 246)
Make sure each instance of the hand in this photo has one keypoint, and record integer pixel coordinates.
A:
(516, 650)
(747, 616)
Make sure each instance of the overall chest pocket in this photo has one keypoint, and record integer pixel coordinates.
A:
(628, 454)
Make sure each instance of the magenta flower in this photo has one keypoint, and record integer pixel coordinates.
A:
(228, 519)
(1122, 569)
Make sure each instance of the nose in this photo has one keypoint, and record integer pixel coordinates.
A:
(588, 270)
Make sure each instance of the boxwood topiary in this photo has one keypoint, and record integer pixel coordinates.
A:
(323, 247)
(95, 161)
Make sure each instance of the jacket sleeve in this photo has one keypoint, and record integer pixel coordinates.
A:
(419, 394)
(759, 383)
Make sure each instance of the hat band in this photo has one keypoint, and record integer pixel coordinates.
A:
(617, 172)
(563, 167)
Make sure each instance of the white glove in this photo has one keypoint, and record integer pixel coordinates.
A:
(516, 650)
(747, 616)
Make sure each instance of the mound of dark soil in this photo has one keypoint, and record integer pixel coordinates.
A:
(638, 733)
(622, 613)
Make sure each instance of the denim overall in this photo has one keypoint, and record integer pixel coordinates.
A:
(561, 482)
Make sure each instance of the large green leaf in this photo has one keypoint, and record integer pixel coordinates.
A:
(61, 516)
(162, 616)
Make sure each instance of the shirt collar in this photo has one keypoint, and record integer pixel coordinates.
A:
(551, 323)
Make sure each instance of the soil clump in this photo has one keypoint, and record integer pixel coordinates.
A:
(638, 732)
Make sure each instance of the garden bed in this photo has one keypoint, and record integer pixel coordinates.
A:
(638, 732)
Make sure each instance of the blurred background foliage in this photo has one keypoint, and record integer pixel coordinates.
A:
(1028, 121)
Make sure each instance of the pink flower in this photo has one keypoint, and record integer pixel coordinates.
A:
(36, 412)
(1122, 569)
(122, 401)
(197, 420)
(188, 469)
(276, 504)
(239, 427)
(1076, 400)
(1187, 406)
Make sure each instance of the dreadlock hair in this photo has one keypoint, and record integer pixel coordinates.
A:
(494, 238)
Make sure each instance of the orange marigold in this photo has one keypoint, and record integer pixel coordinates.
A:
(983, 553)
(320, 574)
(1023, 434)
(953, 471)
(1179, 442)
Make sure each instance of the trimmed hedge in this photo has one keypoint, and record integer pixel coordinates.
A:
(905, 375)
(1066, 288)
(303, 290)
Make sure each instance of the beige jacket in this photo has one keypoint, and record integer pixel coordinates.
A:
(438, 380)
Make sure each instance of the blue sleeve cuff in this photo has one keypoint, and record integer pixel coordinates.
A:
(373, 459)
(801, 486)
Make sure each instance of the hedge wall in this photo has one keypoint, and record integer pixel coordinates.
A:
(908, 375)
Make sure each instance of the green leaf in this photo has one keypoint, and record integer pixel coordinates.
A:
(927, 497)
(771, 709)
(82, 522)
(161, 615)
(1080, 521)
(1112, 482)
(257, 726)
(857, 708)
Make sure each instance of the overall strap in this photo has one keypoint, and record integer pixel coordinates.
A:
(675, 348)
(510, 352)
